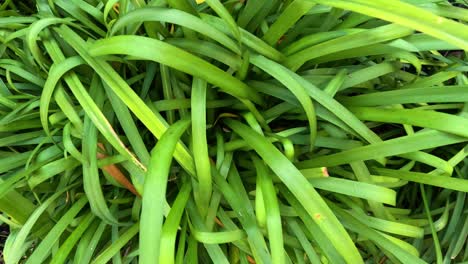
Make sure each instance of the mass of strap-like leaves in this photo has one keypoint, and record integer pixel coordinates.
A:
(232, 131)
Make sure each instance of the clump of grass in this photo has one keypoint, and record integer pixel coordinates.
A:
(303, 131)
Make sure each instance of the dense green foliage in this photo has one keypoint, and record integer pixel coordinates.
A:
(259, 131)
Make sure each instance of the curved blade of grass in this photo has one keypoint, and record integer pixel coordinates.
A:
(171, 225)
(218, 237)
(357, 189)
(154, 194)
(302, 190)
(291, 14)
(107, 9)
(33, 32)
(153, 121)
(400, 145)
(200, 144)
(439, 181)
(365, 38)
(260, 211)
(175, 58)
(43, 250)
(249, 11)
(273, 218)
(206, 48)
(455, 217)
(17, 251)
(183, 61)
(311, 229)
(22, 235)
(68, 144)
(86, 247)
(51, 169)
(248, 39)
(223, 168)
(431, 226)
(321, 111)
(176, 17)
(115, 247)
(336, 108)
(128, 125)
(73, 11)
(65, 103)
(360, 228)
(257, 22)
(314, 39)
(434, 80)
(236, 195)
(93, 11)
(389, 226)
(23, 73)
(179, 4)
(362, 174)
(415, 43)
(167, 90)
(69, 244)
(305, 243)
(460, 240)
(179, 256)
(370, 73)
(214, 251)
(91, 183)
(282, 75)
(447, 11)
(85, 100)
(408, 15)
(20, 137)
(428, 119)
(336, 83)
(230, 225)
(444, 94)
(222, 12)
(174, 104)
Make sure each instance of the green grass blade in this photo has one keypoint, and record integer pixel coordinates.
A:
(281, 74)
(171, 225)
(176, 17)
(152, 120)
(200, 145)
(43, 250)
(155, 191)
(439, 181)
(68, 245)
(427, 119)
(365, 38)
(400, 145)
(302, 190)
(291, 14)
(173, 57)
(273, 218)
(409, 16)
(115, 247)
(21, 236)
